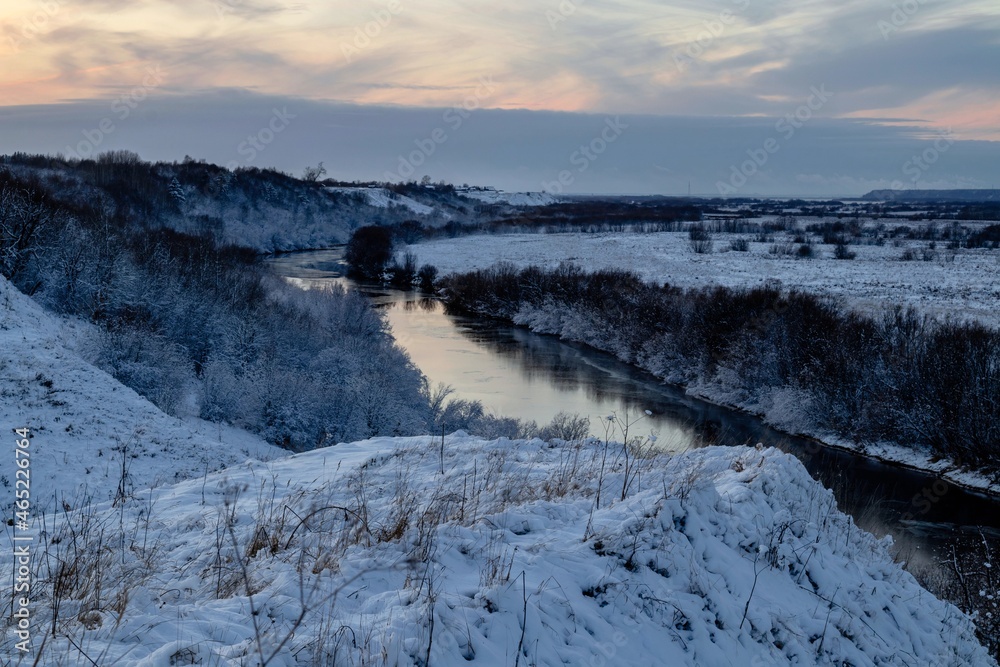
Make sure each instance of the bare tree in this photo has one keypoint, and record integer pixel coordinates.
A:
(313, 174)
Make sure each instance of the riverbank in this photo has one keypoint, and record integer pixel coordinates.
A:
(885, 452)
(548, 552)
(938, 281)
(788, 358)
(326, 264)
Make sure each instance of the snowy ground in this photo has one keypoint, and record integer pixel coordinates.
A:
(719, 556)
(510, 198)
(369, 554)
(81, 417)
(964, 283)
(382, 198)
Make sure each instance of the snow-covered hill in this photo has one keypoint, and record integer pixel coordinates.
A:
(510, 198)
(383, 198)
(82, 418)
(406, 552)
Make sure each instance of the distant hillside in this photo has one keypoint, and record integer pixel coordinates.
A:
(933, 195)
(263, 209)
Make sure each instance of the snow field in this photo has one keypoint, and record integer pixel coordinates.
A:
(510, 198)
(964, 283)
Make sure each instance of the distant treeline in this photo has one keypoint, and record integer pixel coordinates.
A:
(795, 357)
(263, 209)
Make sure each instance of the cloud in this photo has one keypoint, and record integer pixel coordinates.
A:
(513, 149)
(554, 54)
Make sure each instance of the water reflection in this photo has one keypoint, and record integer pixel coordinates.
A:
(515, 372)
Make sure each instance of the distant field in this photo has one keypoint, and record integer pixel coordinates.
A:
(964, 283)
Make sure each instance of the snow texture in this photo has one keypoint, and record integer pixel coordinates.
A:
(382, 198)
(966, 287)
(721, 556)
(510, 198)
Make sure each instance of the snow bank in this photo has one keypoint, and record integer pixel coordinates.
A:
(719, 556)
(80, 417)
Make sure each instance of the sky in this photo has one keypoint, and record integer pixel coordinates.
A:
(734, 97)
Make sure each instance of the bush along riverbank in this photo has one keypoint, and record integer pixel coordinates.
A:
(901, 386)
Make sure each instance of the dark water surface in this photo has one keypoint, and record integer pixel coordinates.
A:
(518, 373)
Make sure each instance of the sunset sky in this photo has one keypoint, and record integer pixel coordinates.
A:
(901, 73)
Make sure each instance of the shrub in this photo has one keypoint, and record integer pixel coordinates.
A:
(805, 251)
(148, 363)
(403, 274)
(701, 239)
(369, 252)
(426, 276)
(841, 251)
(566, 426)
(782, 249)
(985, 238)
(739, 245)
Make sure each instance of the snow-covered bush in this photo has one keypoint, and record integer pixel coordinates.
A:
(196, 324)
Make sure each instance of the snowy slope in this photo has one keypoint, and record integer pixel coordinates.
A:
(510, 198)
(382, 198)
(715, 557)
(79, 415)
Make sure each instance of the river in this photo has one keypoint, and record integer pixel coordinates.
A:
(518, 373)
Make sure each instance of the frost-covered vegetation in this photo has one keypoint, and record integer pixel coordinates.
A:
(261, 209)
(424, 550)
(192, 321)
(942, 269)
(399, 552)
(198, 326)
(799, 359)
